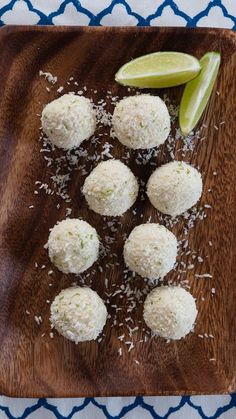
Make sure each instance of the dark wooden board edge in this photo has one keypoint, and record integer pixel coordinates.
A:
(226, 33)
(8, 29)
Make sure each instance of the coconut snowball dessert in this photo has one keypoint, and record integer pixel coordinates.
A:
(174, 187)
(141, 121)
(78, 314)
(73, 246)
(170, 312)
(111, 188)
(150, 250)
(68, 120)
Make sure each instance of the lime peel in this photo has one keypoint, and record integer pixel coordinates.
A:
(197, 92)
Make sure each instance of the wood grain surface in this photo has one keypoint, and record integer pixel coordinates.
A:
(32, 365)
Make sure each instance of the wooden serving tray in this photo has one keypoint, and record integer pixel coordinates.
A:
(32, 365)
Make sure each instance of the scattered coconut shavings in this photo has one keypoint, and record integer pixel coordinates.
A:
(203, 275)
(120, 351)
(185, 144)
(68, 212)
(121, 338)
(103, 117)
(38, 320)
(125, 299)
(48, 76)
(145, 156)
(131, 346)
(106, 151)
(206, 336)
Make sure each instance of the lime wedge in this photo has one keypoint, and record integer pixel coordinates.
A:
(197, 92)
(160, 69)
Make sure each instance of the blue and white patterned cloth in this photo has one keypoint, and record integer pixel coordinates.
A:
(215, 13)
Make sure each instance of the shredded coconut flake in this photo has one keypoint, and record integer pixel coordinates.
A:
(48, 76)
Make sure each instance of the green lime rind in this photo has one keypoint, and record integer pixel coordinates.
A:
(159, 70)
(197, 92)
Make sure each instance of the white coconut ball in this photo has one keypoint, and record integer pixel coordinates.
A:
(78, 314)
(111, 188)
(150, 250)
(73, 246)
(68, 120)
(141, 121)
(174, 187)
(170, 312)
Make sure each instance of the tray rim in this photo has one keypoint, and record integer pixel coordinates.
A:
(75, 28)
(229, 34)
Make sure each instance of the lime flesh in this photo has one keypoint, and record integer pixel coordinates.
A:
(158, 70)
(197, 92)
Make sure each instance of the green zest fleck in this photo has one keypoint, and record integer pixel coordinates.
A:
(107, 192)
